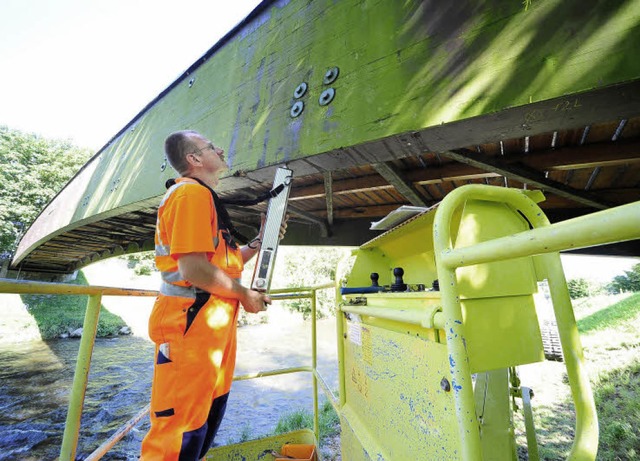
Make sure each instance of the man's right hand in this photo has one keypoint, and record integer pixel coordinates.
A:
(254, 301)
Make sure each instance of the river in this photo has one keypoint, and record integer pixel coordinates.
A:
(36, 377)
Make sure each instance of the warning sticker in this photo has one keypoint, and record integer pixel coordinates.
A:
(355, 330)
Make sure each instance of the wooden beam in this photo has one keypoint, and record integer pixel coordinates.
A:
(324, 232)
(586, 156)
(525, 176)
(394, 177)
(328, 191)
(453, 171)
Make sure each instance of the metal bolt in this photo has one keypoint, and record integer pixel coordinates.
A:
(297, 109)
(444, 384)
(300, 90)
(327, 96)
(164, 165)
(331, 75)
(191, 82)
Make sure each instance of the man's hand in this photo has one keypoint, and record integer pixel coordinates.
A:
(254, 301)
(283, 227)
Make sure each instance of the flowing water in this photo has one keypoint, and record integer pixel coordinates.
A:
(36, 377)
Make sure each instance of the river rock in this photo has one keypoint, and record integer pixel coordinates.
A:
(124, 331)
(76, 333)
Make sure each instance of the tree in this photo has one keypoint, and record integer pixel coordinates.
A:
(578, 288)
(306, 267)
(32, 171)
(630, 281)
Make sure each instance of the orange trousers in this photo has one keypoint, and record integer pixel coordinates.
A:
(193, 371)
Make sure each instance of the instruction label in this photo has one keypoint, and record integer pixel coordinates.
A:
(355, 330)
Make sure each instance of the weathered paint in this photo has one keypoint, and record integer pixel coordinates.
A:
(404, 67)
(407, 395)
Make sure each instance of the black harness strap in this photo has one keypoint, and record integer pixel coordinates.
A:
(224, 221)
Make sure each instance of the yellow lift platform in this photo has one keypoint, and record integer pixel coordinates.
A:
(428, 348)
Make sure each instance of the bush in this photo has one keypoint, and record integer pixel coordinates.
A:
(630, 281)
(305, 267)
(579, 288)
(143, 263)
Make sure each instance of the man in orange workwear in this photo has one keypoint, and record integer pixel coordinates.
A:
(193, 322)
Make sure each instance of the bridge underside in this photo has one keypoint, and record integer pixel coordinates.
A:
(581, 170)
(399, 130)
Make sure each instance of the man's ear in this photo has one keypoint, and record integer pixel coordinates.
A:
(192, 159)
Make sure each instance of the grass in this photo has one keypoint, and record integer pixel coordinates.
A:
(617, 396)
(610, 334)
(57, 314)
(611, 316)
(329, 423)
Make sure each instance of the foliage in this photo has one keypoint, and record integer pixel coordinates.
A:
(630, 281)
(143, 263)
(32, 171)
(328, 421)
(306, 267)
(612, 315)
(580, 288)
(617, 396)
(57, 314)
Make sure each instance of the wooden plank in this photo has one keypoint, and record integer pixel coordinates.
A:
(532, 177)
(388, 171)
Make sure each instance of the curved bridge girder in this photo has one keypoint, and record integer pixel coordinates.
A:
(404, 101)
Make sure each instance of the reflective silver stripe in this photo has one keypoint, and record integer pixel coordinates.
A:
(172, 189)
(173, 290)
(163, 250)
(168, 289)
(171, 277)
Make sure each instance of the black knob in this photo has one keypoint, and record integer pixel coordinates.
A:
(399, 284)
(374, 279)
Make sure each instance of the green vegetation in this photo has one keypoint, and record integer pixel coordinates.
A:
(329, 423)
(617, 396)
(57, 314)
(306, 267)
(142, 263)
(630, 281)
(610, 334)
(32, 170)
(578, 288)
(611, 316)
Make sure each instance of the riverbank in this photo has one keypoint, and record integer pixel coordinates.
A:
(46, 317)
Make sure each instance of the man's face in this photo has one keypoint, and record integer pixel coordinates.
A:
(210, 157)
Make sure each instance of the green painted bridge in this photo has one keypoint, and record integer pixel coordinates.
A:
(374, 104)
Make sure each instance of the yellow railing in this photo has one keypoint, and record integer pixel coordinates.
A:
(87, 342)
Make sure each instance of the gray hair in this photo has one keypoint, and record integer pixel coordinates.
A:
(177, 146)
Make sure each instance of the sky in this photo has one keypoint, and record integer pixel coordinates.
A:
(82, 69)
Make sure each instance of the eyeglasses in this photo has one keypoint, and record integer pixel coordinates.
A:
(208, 146)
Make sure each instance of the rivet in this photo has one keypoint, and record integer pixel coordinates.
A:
(331, 75)
(297, 109)
(191, 82)
(164, 165)
(444, 384)
(300, 90)
(327, 96)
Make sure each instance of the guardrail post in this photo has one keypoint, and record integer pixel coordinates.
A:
(80, 378)
(314, 364)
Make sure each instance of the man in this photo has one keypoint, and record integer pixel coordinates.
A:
(193, 321)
